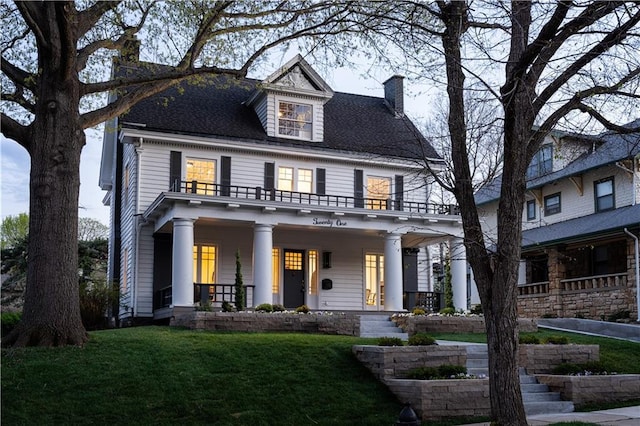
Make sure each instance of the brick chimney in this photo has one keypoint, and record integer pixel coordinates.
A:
(394, 94)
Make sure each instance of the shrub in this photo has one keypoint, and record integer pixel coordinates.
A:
(96, 300)
(421, 339)
(278, 308)
(390, 341)
(619, 315)
(302, 309)
(476, 309)
(569, 369)
(9, 321)
(264, 307)
(418, 311)
(557, 340)
(227, 307)
(239, 288)
(445, 371)
(529, 339)
(447, 311)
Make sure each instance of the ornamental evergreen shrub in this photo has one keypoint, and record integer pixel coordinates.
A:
(421, 339)
(278, 308)
(302, 309)
(418, 311)
(587, 368)
(445, 371)
(447, 311)
(239, 288)
(390, 341)
(557, 340)
(529, 339)
(9, 320)
(264, 307)
(227, 307)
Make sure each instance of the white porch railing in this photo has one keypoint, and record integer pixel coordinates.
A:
(597, 282)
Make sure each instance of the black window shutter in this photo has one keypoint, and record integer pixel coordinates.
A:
(399, 192)
(175, 171)
(321, 179)
(269, 175)
(358, 188)
(225, 176)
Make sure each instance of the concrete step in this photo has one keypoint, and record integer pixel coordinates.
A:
(540, 396)
(374, 326)
(548, 407)
(533, 387)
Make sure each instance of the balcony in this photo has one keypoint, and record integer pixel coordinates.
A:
(310, 199)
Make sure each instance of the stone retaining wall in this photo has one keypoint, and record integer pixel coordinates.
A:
(439, 399)
(413, 324)
(589, 389)
(542, 359)
(343, 324)
(387, 362)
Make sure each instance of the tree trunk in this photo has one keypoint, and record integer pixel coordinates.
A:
(51, 315)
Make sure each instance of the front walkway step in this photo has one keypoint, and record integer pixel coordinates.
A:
(380, 326)
(536, 396)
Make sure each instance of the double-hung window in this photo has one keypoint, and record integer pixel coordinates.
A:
(552, 204)
(295, 120)
(531, 209)
(604, 194)
(378, 192)
(541, 163)
(201, 176)
(303, 181)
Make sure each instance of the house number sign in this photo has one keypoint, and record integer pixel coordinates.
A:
(329, 222)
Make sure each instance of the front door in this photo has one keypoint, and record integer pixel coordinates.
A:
(294, 285)
(374, 281)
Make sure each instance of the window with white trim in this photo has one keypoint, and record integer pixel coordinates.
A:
(295, 120)
(378, 192)
(531, 209)
(552, 204)
(200, 176)
(604, 193)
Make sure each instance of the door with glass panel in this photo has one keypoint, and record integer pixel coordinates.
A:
(294, 278)
(204, 271)
(374, 281)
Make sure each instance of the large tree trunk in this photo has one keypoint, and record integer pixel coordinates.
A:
(495, 275)
(51, 315)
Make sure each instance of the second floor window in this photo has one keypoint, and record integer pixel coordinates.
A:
(541, 163)
(552, 204)
(531, 209)
(378, 193)
(295, 120)
(302, 183)
(285, 178)
(201, 175)
(604, 193)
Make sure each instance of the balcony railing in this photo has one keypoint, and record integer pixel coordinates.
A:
(311, 199)
(597, 282)
(533, 289)
(217, 294)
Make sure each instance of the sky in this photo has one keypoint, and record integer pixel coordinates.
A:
(14, 160)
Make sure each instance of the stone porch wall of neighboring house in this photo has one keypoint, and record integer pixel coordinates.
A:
(386, 362)
(594, 389)
(342, 324)
(597, 300)
(452, 324)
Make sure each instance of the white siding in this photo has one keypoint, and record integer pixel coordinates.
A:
(128, 197)
(144, 283)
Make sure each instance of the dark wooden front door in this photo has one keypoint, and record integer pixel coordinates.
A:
(294, 285)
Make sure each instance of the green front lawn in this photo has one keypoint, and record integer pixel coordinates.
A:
(160, 375)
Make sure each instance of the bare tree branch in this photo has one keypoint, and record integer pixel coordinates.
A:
(17, 75)
(16, 131)
(88, 17)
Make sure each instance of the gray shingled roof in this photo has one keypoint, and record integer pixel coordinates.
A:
(586, 226)
(615, 147)
(352, 123)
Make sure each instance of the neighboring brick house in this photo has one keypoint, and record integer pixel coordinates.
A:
(324, 195)
(581, 221)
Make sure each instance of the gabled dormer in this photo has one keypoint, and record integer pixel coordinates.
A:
(290, 102)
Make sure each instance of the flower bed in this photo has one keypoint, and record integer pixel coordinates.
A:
(594, 389)
(320, 322)
(451, 323)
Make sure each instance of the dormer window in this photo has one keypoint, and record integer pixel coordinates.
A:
(295, 120)
(541, 163)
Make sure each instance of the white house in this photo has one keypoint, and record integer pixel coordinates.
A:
(581, 222)
(325, 196)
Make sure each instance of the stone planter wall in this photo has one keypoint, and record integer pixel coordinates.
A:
(343, 324)
(439, 399)
(387, 362)
(452, 324)
(542, 359)
(589, 389)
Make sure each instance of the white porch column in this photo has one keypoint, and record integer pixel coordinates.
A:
(262, 261)
(182, 265)
(392, 273)
(459, 274)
